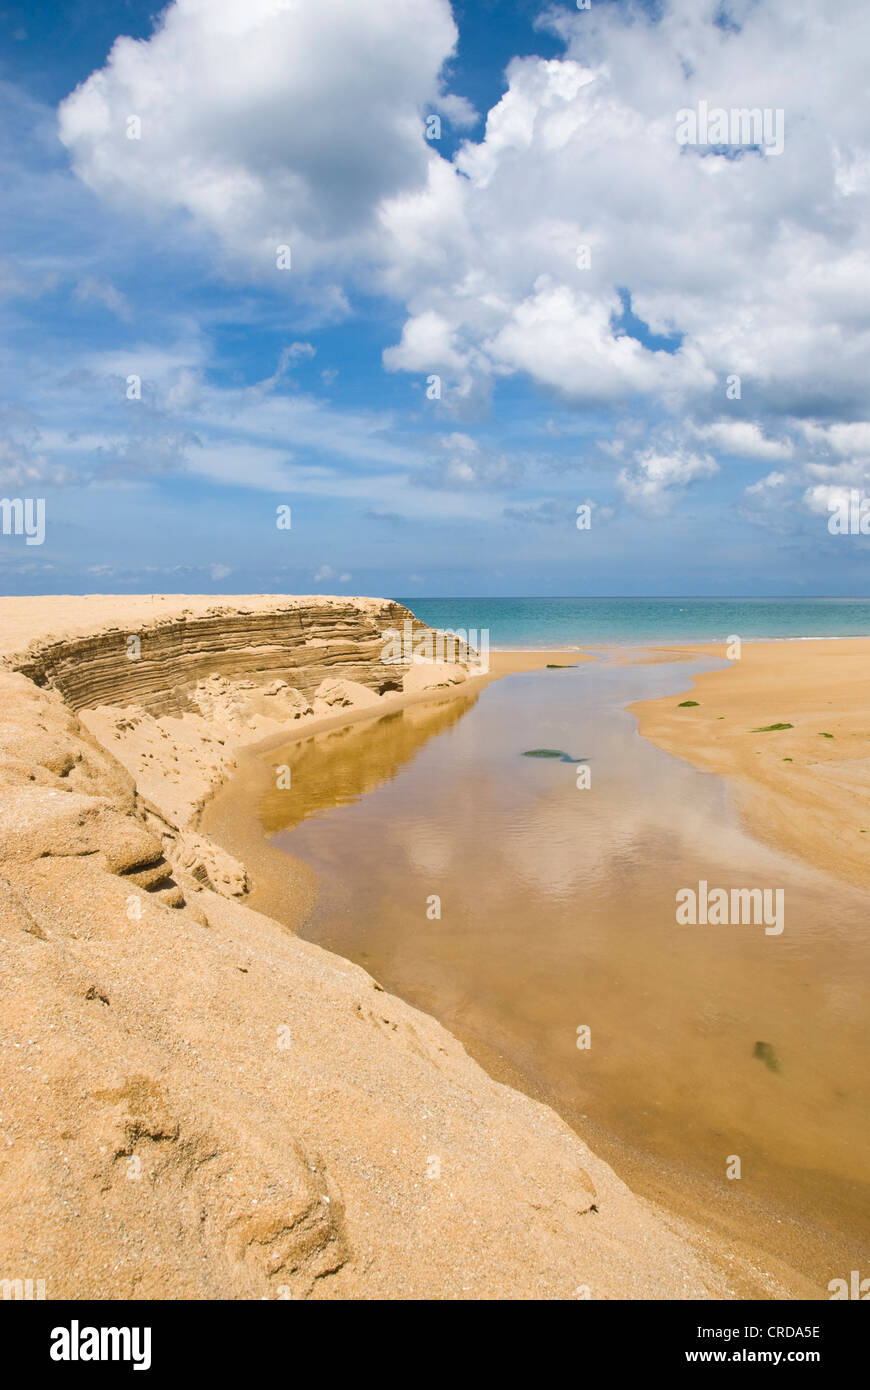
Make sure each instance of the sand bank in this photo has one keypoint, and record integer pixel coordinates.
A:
(803, 788)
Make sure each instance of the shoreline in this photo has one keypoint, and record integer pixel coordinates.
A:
(827, 785)
(656, 721)
(803, 788)
(687, 643)
(197, 924)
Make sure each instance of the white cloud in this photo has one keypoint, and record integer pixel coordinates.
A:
(427, 345)
(269, 122)
(823, 499)
(558, 511)
(764, 485)
(565, 338)
(148, 361)
(760, 263)
(744, 439)
(852, 437)
(653, 477)
(16, 281)
(185, 392)
(458, 110)
(260, 123)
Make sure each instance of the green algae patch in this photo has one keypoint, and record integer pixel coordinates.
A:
(764, 1052)
(553, 753)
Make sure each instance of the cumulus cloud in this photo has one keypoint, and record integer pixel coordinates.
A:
(261, 125)
(268, 122)
(785, 501)
(821, 499)
(428, 344)
(650, 481)
(850, 438)
(566, 339)
(744, 439)
(578, 188)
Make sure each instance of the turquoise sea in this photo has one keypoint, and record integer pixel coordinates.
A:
(573, 622)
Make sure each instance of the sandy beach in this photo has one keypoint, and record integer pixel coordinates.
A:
(408, 891)
(804, 788)
(139, 898)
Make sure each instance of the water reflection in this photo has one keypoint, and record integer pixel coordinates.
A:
(337, 767)
(557, 909)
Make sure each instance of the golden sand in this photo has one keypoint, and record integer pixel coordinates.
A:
(806, 788)
(161, 1139)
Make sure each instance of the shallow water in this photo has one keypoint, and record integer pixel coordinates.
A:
(557, 912)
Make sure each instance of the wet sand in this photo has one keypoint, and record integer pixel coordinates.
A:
(805, 788)
(557, 911)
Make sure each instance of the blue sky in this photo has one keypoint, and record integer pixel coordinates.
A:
(302, 123)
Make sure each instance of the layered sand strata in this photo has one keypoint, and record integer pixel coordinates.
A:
(197, 1104)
